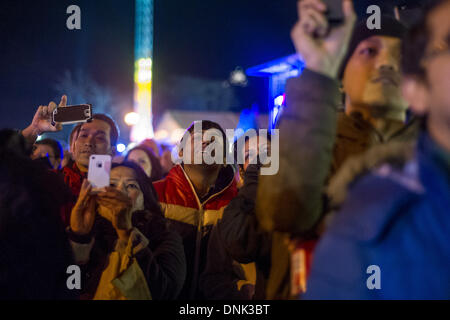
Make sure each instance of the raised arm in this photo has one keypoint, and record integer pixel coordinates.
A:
(291, 201)
(42, 121)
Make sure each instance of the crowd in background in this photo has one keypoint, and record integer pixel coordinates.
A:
(359, 208)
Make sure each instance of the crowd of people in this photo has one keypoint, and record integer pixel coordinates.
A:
(359, 208)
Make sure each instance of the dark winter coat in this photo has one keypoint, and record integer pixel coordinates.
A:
(238, 238)
(315, 140)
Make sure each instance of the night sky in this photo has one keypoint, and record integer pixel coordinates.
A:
(37, 48)
(197, 37)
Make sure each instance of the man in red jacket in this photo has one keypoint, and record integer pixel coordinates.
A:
(194, 195)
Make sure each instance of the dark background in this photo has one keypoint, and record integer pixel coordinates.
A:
(197, 39)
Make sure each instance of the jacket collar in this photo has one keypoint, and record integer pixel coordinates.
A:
(73, 177)
(358, 129)
(224, 181)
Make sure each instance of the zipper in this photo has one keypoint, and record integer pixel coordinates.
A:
(198, 240)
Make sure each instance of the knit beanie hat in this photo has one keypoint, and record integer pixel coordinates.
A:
(389, 27)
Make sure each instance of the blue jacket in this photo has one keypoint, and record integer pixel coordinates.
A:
(397, 219)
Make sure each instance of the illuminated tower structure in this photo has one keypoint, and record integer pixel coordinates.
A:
(143, 71)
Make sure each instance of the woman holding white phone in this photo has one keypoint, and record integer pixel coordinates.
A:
(126, 251)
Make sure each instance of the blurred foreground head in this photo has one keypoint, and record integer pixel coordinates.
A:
(426, 69)
(34, 249)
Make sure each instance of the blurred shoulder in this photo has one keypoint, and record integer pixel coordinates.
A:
(377, 199)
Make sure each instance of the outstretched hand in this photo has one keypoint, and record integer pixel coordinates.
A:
(42, 121)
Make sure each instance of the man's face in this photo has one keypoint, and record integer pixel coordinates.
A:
(93, 138)
(43, 150)
(438, 66)
(372, 75)
(199, 144)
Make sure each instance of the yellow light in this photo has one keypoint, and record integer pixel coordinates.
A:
(132, 118)
(143, 70)
(142, 128)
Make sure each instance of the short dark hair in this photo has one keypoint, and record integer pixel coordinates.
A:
(55, 145)
(416, 42)
(114, 132)
(74, 133)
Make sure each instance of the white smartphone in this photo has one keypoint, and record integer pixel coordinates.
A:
(98, 171)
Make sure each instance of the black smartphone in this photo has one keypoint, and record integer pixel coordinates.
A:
(334, 13)
(72, 114)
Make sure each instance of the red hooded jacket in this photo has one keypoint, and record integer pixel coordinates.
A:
(193, 218)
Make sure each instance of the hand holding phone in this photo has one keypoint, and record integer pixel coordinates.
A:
(115, 206)
(42, 121)
(83, 213)
(323, 48)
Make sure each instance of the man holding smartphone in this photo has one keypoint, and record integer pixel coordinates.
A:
(319, 137)
(391, 238)
(98, 136)
(42, 121)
